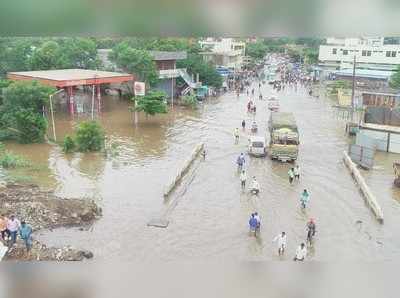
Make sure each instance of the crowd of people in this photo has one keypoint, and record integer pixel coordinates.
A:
(11, 228)
(288, 78)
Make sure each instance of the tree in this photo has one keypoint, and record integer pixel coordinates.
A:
(310, 55)
(31, 126)
(154, 102)
(21, 112)
(135, 61)
(395, 79)
(79, 53)
(256, 50)
(207, 73)
(89, 136)
(48, 56)
(15, 54)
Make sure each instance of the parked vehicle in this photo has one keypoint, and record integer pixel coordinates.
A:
(284, 136)
(257, 146)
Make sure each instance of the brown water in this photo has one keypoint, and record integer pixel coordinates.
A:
(208, 213)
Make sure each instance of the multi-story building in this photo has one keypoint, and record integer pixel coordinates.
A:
(226, 52)
(370, 53)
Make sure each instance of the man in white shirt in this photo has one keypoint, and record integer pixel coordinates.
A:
(13, 226)
(243, 178)
(255, 187)
(281, 241)
(301, 253)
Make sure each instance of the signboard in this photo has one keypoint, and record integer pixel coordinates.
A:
(139, 88)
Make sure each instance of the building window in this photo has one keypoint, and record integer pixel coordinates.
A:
(393, 53)
(364, 53)
(368, 53)
(334, 51)
(345, 52)
(388, 53)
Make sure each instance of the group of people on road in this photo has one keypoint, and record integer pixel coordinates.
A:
(11, 227)
(301, 251)
(293, 174)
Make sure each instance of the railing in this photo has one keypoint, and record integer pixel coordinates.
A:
(178, 72)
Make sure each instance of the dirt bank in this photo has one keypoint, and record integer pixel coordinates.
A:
(43, 210)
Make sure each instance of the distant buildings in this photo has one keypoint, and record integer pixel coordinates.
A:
(225, 52)
(371, 54)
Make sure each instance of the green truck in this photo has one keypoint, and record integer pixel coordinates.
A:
(284, 137)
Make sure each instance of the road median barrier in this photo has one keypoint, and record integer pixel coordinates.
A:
(368, 195)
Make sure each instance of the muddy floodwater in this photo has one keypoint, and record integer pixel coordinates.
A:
(208, 213)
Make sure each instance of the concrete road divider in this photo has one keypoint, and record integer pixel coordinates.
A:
(368, 195)
(185, 167)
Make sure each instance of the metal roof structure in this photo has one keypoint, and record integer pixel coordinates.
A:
(71, 77)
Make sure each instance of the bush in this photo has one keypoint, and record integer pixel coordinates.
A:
(69, 144)
(189, 100)
(89, 136)
(9, 160)
(31, 126)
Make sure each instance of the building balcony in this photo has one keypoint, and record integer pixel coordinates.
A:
(170, 73)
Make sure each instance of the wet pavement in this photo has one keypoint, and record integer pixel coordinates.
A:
(208, 212)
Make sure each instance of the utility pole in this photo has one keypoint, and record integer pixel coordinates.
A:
(353, 89)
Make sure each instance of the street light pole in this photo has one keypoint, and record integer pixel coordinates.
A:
(52, 112)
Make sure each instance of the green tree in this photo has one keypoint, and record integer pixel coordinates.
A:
(207, 72)
(154, 102)
(31, 126)
(256, 50)
(15, 54)
(48, 56)
(79, 53)
(395, 79)
(89, 136)
(21, 112)
(310, 56)
(135, 61)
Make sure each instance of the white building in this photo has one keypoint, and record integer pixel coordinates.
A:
(225, 52)
(371, 53)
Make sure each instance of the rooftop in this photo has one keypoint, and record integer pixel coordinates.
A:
(71, 77)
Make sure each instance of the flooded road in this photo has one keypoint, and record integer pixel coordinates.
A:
(208, 212)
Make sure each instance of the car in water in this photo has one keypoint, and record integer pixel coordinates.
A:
(257, 146)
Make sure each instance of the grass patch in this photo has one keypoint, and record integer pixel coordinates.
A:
(19, 179)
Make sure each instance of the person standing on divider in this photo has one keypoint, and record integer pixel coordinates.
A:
(243, 125)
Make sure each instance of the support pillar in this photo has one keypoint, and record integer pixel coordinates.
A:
(98, 97)
(71, 100)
